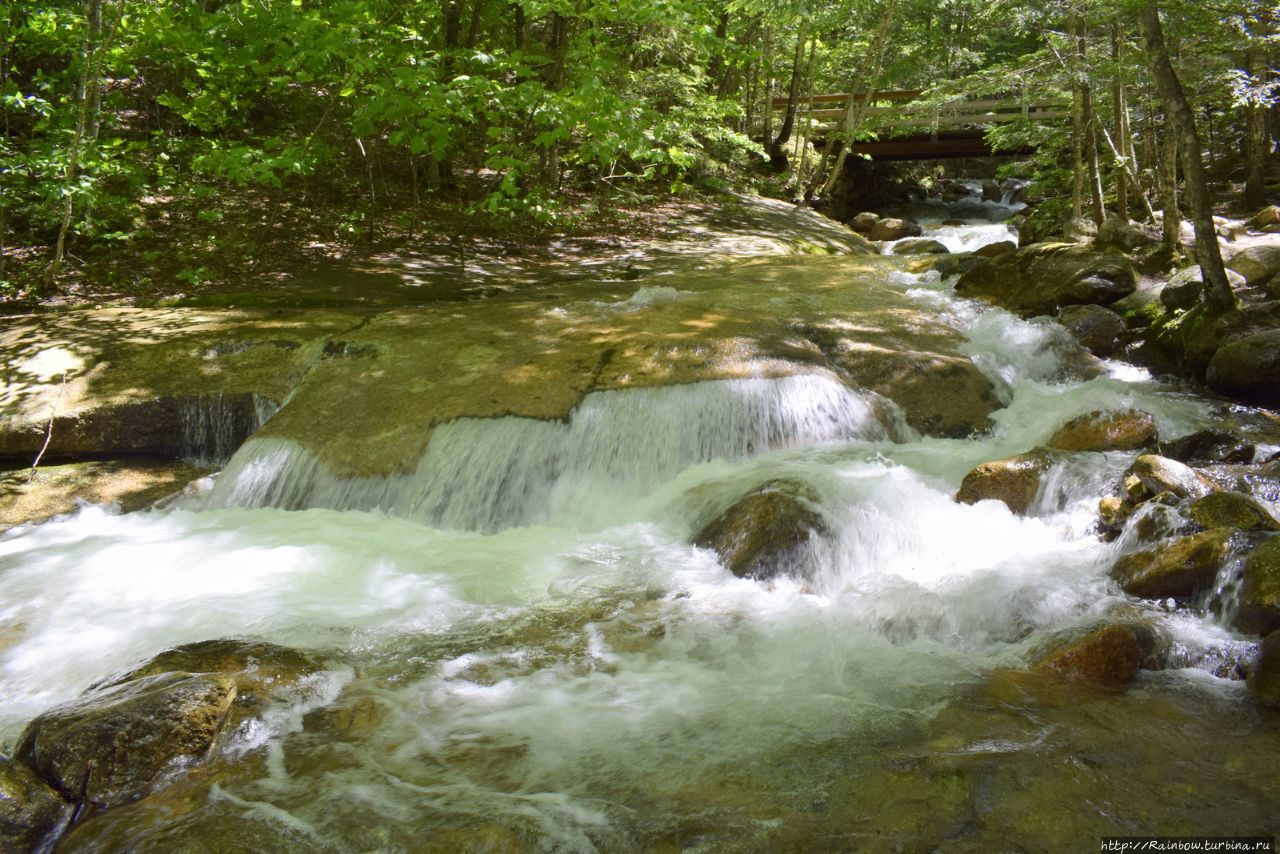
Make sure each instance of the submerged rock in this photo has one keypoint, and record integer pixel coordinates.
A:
(1127, 430)
(1099, 330)
(1159, 474)
(1264, 680)
(1109, 656)
(1014, 481)
(259, 669)
(31, 813)
(1043, 277)
(765, 532)
(1248, 367)
(1259, 611)
(111, 745)
(1177, 569)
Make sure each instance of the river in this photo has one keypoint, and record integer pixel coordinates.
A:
(525, 652)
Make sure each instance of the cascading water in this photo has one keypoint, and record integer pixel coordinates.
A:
(525, 651)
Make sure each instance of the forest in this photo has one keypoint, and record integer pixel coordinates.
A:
(130, 122)
(639, 425)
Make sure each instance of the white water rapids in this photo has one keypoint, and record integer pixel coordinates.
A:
(543, 646)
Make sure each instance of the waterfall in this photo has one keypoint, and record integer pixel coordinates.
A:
(215, 425)
(492, 473)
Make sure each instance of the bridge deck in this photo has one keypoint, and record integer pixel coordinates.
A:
(908, 130)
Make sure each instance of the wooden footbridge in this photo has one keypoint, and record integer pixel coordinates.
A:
(910, 129)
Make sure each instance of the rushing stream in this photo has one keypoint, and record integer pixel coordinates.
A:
(526, 652)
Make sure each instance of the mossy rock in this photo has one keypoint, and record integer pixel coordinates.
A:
(1159, 474)
(1127, 430)
(765, 533)
(1099, 330)
(1259, 611)
(1248, 367)
(1207, 446)
(1264, 680)
(1231, 510)
(1108, 656)
(31, 813)
(1178, 569)
(1044, 277)
(1014, 481)
(110, 746)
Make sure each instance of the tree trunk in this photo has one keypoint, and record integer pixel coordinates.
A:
(1077, 126)
(1120, 113)
(1171, 217)
(1255, 137)
(777, 156)
(519, 28)
(716, 68)
(84, 95)
(1217, 290)
(768, 85)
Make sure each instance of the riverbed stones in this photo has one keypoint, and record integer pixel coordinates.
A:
(1044, 277)
(1109, 656)
(920, 246)
(765, 533)
(31, 813)
(1264, 679)
(1256, 263)
(1126, 430)
(1231, 509)
(110, 746)
(892, 228)
(1178, 568)
(1099, 330)
(1159, 474)
(1014, 481)
(1259, 611)
(1248, 367)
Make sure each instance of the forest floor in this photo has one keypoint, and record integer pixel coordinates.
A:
(247, 240)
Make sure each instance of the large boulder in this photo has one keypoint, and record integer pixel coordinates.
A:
(991, 191)
(1259, 611)
(920, 246)
(941, 395)
(1108, 656)
(1014, 481)
(765, 533)
(1248, 367)
(995, 250)
(1079, 230)
(1270, 215)
(110, 746)
(1159, 474)
(31, 813)
(1121, 234)
(1099, 330)
(864, 222)
(1183, 290)
(1177, 569)
(891, 228)
(1141, 308)
(1044, 277)
(1256, 263)
(1127, 430)
(1264, 679)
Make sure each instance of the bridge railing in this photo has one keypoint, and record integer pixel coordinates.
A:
(893, 110)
